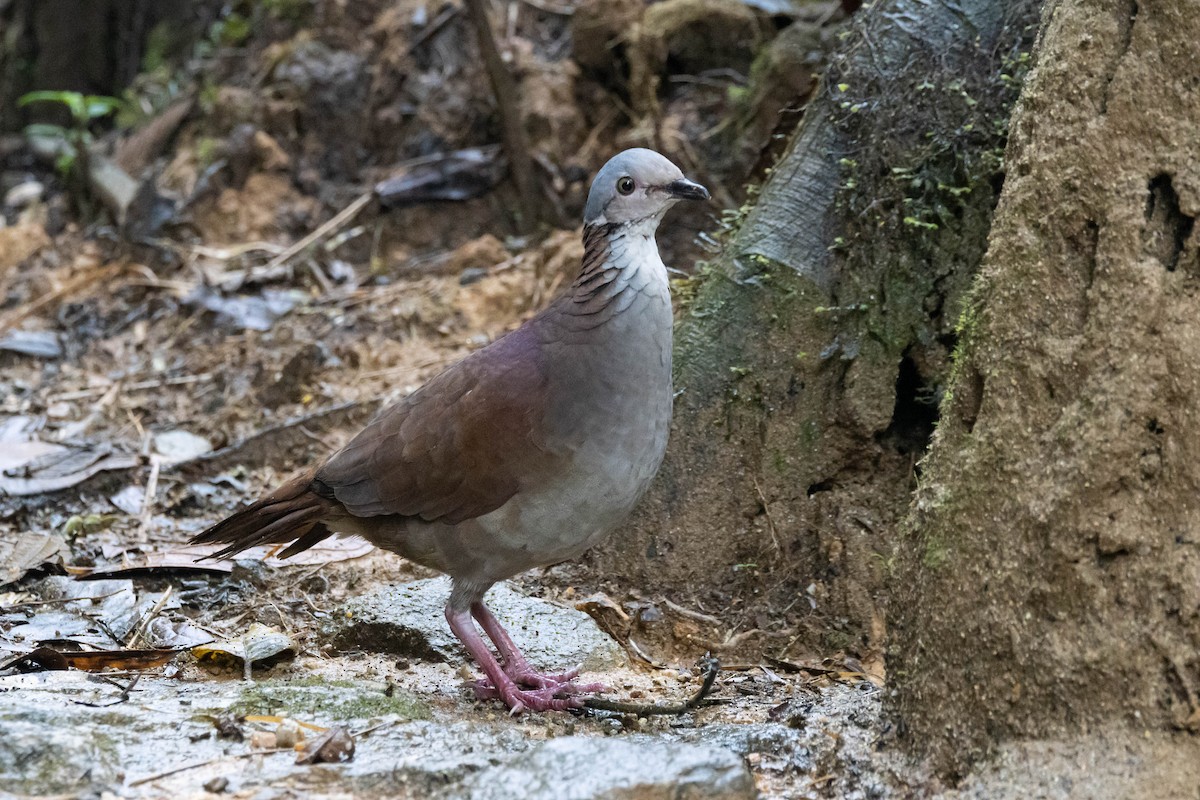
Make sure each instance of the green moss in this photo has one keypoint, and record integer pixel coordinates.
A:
(836, 640)
(297, 11)
(966, 333)
(160, 42)
(207, 149)
(886, 563)
(935, 553)
(320, 698)
(810, 433)
(918, 199)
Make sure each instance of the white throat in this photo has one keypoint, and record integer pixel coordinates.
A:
(634, 250)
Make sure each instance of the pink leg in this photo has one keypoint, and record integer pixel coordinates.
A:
(502, 686)
(517, 667)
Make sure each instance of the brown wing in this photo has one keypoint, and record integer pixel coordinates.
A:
(456, 448)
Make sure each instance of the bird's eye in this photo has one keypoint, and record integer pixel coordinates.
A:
(625, 185)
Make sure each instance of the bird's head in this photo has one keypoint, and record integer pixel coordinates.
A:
(637, 187)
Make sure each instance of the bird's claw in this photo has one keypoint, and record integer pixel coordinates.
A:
(545, 692)
(519, 700)
(524, 675)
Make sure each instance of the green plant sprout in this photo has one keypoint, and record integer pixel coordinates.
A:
(70, 143)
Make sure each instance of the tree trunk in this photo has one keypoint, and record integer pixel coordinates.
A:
(810, 353)
(1054, 578)
(88, 46)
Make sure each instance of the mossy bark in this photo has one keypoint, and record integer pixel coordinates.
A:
(1051, 582)
(810, 353)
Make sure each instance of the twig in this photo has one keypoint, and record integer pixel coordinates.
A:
(448, 13)
(762, 498)
(140, 630)
(123, 697)
(696, 615)
(516, 143)
(276, 267)
(232, 251)
(74, 429)
(562, 11)
(642, 654)
(271, 719)
(15, 606)
(205, 763)
(587, 149)
(83, 394)
(732, 641)
(711, 667)
(148, 495)
(255, 447)
(373, 728)
(85, 277)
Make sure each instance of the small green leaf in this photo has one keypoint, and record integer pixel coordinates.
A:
(45, 131)
(918, 223)
(74, 101)
(65, 163)
(101, 106)
(43, 97)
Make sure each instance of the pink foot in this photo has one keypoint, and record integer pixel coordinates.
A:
(519, 700)
(505, 677)
(543, 685)
(563, 682)
(522, 673)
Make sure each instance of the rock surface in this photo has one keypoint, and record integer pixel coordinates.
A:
(49, 743)
(1104, 765)
(581, 768)
(410, 619)
(190, 728)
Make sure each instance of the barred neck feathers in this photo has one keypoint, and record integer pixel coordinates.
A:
(620, 261)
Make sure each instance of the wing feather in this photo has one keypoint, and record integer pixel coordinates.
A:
(459, 447)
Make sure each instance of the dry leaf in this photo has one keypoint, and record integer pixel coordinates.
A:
(179, 445)
(332, 747)
(259, 645)
(22, 552)
(38, 344)
(47, 658)
(191, 558)
(29, 466)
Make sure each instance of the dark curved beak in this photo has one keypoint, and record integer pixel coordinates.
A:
(683, 189)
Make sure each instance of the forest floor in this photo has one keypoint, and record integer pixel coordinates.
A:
(155, 376)
(150, 384)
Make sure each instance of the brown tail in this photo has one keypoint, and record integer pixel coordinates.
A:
(291, 512)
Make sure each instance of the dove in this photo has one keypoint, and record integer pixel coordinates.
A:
(523, 454)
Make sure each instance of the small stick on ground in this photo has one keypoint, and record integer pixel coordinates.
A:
(711, 667)
(448, 13)
(82, 278)
(121, 698)
(197, 764)
(144, 625)
(147, 517)
(277, 266)
(30, 603)
(696, 615)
